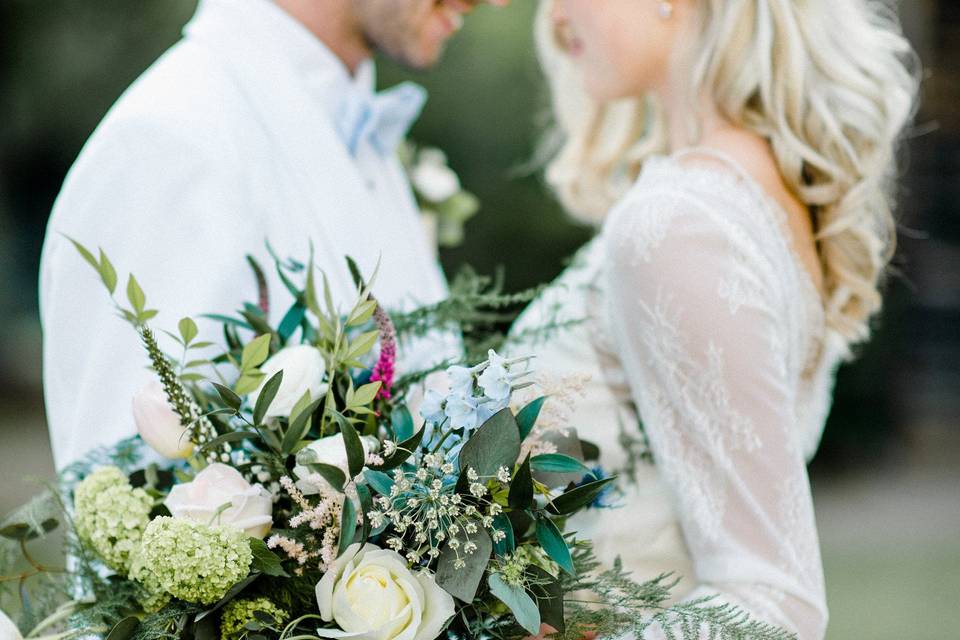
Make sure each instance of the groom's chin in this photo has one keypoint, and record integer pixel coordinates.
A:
(417, 58)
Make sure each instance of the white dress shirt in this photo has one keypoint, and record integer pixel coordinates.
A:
(229, 140)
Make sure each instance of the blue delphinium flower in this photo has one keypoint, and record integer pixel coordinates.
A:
(432, 408)
(606, 499)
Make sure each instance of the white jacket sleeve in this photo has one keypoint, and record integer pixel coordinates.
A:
(697, 317)
(159, 204)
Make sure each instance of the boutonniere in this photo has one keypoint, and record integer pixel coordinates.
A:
(443, 201)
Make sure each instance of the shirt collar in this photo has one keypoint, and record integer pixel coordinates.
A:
(280, 37)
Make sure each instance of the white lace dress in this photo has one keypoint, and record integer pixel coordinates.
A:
(699, 322)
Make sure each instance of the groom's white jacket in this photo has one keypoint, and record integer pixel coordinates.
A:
(228, 141)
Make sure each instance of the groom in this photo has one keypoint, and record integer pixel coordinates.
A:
(261, 124)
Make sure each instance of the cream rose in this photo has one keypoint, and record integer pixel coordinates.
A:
(372, 595)
(332, 451)
(158, 424)
(303, 370)
(251, 506)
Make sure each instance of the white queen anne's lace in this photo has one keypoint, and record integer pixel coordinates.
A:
(693, 295)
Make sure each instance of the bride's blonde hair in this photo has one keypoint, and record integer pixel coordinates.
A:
(831, 84)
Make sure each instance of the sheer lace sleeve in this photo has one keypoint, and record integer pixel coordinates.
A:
(698, 314)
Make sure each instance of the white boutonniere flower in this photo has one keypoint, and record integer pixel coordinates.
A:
(445, 205)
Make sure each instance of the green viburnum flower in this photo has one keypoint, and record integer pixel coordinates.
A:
(192, 561)
(111, 516)
(238, 613)
(151, 595)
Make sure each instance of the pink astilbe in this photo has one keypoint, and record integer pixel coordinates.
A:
(294, 550)
(384, 370)
(323, 518)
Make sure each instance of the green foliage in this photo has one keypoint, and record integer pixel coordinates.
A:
(578, 497)
(495, 444)
(463, 582)
(527, 417)
(477, 306)
(623, 606)
(519, 601)
(552, 541)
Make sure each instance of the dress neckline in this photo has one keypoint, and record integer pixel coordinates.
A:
(742, 178)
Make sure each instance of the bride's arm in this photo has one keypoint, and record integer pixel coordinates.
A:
(700, 321)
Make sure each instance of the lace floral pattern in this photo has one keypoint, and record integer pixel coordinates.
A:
(700, 324)
(703, 306)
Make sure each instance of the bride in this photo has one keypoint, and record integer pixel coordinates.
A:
(738, 159)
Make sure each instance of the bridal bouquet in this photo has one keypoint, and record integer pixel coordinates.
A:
(305, 497)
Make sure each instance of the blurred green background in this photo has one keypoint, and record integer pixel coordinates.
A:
(886, 479)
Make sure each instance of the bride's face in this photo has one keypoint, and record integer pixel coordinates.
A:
(623, 47)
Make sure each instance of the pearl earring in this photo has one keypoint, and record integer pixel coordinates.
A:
(666, 9)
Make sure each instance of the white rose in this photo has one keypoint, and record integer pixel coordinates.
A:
(8, 630)
(251, 505)
(303, 370)
(158, 424)
(372, 595)
(332, 451)
(435, 181)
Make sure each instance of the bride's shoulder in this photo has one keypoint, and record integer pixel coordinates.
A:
(717, 187)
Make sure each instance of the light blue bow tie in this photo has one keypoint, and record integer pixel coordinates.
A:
(382, 118)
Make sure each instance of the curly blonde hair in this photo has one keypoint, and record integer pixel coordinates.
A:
(830, 84)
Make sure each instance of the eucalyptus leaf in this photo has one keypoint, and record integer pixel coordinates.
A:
(519, 602)
(463, 583)
(495, 444)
